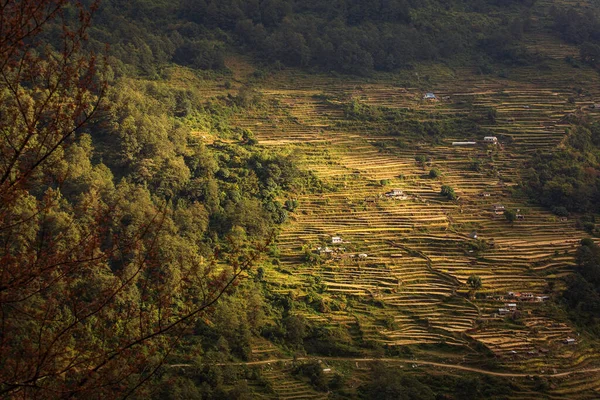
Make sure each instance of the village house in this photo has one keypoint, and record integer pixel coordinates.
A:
(324, 250)
(396, 194)
(503, 311)
(336, 240)
(430, 96)
(362, 256)
(490, 139)
(570, 341)
(473, 235)
(511, 306)
(498, 209)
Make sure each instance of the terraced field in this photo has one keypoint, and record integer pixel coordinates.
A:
(409, 285)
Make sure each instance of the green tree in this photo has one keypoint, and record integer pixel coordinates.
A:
(448, 192)
(474, 282)
(435, 173)
(510, 215)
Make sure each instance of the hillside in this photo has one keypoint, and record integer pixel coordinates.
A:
(410, 290)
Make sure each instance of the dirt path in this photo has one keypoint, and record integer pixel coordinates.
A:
(407, 361)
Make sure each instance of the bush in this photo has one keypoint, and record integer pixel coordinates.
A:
(434, 173)
(448, 192)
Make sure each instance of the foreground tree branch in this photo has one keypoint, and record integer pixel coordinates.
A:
(94, 290)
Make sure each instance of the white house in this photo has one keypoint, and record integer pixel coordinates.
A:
(429, 96)
(499, 209)
(336, 240)
(396, 194)
(511, 306)
(490, 139)
(570, 341)
(362, 255)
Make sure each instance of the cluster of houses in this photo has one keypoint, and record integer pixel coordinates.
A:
(499, 210)
(486, 140)
(337, 251)
(516, 296)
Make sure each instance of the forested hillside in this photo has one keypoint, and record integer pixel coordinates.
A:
(198, 199)
(346, 36)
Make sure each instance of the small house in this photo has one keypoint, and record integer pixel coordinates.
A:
(336, 240)
(362, 256)
(503, 311)
(473, 235)
(485, 194)
(490, 139)
(511, 306)
(527, 297)
(396, 194)
(520, 217)
(324, 250)
(569, 341)
(430, 96)
(499, 207)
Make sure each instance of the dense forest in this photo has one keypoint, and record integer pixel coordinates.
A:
(566, 179)
(119, 226)
(583, 288)
(125, 233)
(347, 36)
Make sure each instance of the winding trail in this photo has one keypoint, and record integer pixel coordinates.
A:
(408, 361)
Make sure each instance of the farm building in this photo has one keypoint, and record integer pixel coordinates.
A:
(490, 139)
(473, 235)
(464, 143)
(430, 96)
(324, 250)
(498, 207)
(336, 240)
(503, 311)
(511, 306)
(396, 194)
(570, 341)
(526, 297)
(362, 255)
